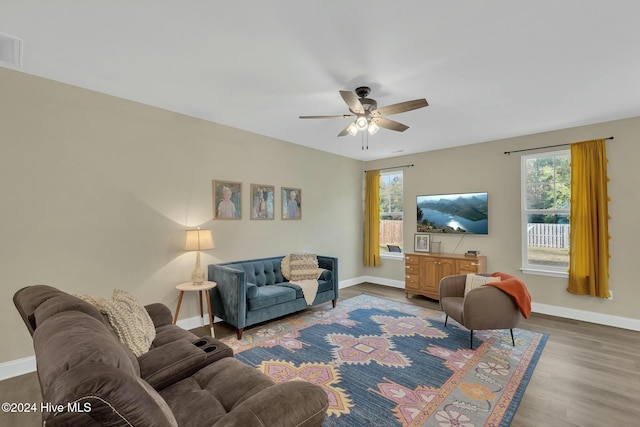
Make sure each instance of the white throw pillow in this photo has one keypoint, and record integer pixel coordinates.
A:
(475, 281)
(128, 318)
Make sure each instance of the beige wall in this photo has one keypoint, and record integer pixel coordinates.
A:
(97, 192)
(484, 167)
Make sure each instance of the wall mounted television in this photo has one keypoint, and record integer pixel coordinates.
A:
(462, 213)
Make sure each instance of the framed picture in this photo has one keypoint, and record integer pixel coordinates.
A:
(262, 201)
(227, 197)
(291, 203)
(421, 242)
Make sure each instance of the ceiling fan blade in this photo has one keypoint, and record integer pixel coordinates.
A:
(389, 124)
(352, 101)
(345, 131)
(344, 116)
(400, 107)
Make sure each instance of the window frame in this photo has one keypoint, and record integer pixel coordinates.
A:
(385, 253)
(526, 267)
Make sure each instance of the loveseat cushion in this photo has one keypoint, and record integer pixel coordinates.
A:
(260, 273)
(270, 295)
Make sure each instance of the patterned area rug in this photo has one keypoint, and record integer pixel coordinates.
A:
(384, 363)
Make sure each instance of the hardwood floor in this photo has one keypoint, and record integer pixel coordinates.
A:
(588, 374)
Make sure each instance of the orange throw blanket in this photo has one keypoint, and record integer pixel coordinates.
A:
(516, 289)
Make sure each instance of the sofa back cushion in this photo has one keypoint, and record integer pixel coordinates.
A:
(262, 272)
(28, 299)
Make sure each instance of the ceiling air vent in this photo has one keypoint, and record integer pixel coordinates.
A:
(10, 50)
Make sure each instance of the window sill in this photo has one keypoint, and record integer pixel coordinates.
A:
(540, 272)
(394, 255)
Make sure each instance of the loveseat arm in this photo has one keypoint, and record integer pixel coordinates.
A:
(292, 403)
(229, 297)
(160, 314)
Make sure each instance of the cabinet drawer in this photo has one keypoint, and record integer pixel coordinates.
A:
(412, 269)
(413, 260)
(472, 265)
(412, 280)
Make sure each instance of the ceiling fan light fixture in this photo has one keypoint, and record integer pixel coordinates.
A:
(362, 123)
(373, 128)
(352, 129)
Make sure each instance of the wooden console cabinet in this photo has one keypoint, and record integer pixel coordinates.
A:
(424, 271)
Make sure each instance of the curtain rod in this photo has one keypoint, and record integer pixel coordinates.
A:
(539, 148)
(394, 167)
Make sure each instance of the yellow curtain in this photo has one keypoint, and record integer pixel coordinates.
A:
(589, 235)
(372, 219)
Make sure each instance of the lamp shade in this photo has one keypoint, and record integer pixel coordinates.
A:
(198, 240)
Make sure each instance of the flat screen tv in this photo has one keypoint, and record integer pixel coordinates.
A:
(453, 213)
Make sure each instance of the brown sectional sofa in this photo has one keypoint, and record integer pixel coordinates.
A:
(92, 379)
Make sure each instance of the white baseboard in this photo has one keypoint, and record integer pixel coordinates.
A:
(371, 279)
(587, 316)
(15, 368)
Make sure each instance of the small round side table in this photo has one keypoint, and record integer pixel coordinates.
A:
(190, 287)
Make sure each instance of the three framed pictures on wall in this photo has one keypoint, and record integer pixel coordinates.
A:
(227, 201)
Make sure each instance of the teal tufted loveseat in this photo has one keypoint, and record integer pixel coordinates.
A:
(254, 291)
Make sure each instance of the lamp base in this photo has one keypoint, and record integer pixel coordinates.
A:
(197, 277)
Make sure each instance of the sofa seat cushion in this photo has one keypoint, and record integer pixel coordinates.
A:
(323, 286)
(270, 295)
(214, 391)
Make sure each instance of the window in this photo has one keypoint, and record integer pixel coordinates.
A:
(391, 210)
(546, 197)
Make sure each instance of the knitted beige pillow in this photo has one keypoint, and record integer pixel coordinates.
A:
(475, 281)
(128, 318)
(303, 266)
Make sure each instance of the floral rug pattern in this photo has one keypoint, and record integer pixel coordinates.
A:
(385, 363)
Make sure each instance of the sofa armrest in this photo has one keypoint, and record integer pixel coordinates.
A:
(292, 403)
(331, 264)
(229, 297)
(487, 307)
(160, 314)
(177, 360)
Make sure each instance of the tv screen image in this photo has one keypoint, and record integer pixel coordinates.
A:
(453, 213)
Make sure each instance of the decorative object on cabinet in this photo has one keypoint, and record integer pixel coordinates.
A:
(227, 198)
(424, 271)
(262, 200)
(291, 203)
(198, 240)
(421, 242)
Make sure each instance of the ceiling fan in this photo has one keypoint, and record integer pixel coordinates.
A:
(368, 115)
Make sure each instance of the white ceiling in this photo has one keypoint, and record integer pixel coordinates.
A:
(489, 69)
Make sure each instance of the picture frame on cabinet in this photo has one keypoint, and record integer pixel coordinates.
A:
(421, 242)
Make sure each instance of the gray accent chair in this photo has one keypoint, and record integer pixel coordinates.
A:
(483, 308)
